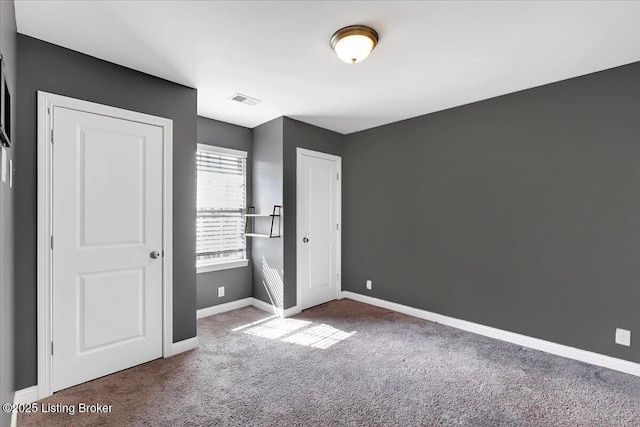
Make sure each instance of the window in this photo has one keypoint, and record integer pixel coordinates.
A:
(221, 200)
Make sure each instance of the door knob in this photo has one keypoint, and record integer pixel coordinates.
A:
(154, 254)
(305, 240)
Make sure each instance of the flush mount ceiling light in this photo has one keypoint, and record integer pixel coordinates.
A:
(354, 43)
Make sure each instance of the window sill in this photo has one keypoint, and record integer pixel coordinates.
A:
(236, 263)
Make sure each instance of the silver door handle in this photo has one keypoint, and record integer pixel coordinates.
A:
(154, 255)
(305, 240)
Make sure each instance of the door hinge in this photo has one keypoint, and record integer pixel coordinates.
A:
(52, 348)
(52, 136)
(52, 242)
(338, 277)
(337, 176)
(337, 226)
(48, 110)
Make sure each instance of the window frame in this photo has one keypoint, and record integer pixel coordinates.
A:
(209, 265)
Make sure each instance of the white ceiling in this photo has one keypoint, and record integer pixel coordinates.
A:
(431, 55)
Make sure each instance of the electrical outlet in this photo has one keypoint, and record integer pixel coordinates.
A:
(369, 284)
(220, 291)
(623, 337)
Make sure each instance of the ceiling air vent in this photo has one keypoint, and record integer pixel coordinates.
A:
(244, 99)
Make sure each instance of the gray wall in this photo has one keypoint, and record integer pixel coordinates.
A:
(8, 49)
(46, 67)
(236, 281)
(303, 135)
(267, 254)
(520, 212)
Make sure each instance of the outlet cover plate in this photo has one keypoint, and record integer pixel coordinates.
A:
(369, 285)
(220, 291)
(623, 337)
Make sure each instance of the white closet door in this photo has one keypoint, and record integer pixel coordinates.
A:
(319, 222)
(107, 243)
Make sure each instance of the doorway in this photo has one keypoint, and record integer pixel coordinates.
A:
(104, 213)
(318, 227)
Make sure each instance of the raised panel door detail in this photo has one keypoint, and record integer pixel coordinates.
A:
(111, 186)
(99, 293)
(320, 218)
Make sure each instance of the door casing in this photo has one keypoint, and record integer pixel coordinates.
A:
(46, 102)
(300, 232)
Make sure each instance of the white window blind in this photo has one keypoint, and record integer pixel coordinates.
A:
(221, 200)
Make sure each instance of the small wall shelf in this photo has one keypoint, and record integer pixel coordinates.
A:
(250, 222)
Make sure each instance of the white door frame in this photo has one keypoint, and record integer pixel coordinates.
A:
(299, 233)
(46, 103)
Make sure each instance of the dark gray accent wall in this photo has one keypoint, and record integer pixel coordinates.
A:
(267, 254)
(520, 212)
(7, 195)
(236, 281)
(46, 67)
(303, 135)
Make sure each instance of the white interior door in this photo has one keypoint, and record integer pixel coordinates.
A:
(107, 224)
(319, 212)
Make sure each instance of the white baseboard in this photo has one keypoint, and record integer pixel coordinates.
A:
(23, 397)
(258, 303)
(184, 345)
(26, 395)
(291, 311)
(512, 337)
(222, 308)
(269, 308)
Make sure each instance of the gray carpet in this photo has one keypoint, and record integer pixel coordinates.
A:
(349, 364)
